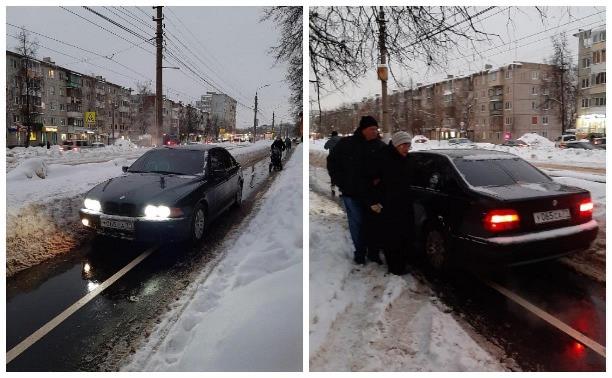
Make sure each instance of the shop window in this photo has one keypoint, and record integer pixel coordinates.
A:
(534, 120)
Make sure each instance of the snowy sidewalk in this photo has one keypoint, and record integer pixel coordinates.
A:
(245, 314)
(362, 319)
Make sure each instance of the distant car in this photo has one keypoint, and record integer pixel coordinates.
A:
(420, 139)
(515, 143)
(168, 194)
(74, 145)
(98, 145)
(601, 142)
(461, 142)
(583, 145)
(491, 208)
(563, 139)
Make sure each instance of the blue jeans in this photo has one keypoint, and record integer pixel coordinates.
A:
(355, 214)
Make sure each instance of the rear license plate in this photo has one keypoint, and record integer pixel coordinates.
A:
(551, 216)
(117, 224)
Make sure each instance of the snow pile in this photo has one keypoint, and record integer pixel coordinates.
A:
(246, 314)
(42, 216)
(362, 319)
(536, 140)
(29, 168)
(124, 143)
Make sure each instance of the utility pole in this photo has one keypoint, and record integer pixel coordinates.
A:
(383, 72)
(255, 120)
(113, 122)
(272, 122)
(158, 79)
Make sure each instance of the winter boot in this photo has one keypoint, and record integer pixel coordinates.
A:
(359, 258)
(374, 256)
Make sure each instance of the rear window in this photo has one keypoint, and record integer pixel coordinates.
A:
(499, 172)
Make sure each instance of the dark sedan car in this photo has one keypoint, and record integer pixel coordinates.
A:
(168, 194)
(492, 208)
(583, 145)
(515, 143)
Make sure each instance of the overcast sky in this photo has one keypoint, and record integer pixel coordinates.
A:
(230, 43)
(527, 38)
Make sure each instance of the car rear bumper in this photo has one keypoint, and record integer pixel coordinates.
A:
(526, 248)
(145, 230)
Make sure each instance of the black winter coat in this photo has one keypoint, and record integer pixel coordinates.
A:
(395, 175)
(278, 144)
(350, 164)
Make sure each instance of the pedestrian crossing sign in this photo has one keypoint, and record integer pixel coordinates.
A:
(90, 117)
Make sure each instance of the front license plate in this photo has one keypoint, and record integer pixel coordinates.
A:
(117, 224)
(551, 216)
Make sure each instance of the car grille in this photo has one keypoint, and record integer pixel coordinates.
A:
(122, 209)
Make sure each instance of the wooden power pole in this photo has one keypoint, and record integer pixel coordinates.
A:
(159, 100)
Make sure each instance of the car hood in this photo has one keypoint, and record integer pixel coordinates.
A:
(529, 191)
(141, 188)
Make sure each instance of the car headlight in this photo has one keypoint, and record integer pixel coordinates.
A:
(157, 211)
(92, 204)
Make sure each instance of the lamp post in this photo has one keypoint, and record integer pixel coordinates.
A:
(255, 116)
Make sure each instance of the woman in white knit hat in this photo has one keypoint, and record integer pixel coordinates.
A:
(391, 204)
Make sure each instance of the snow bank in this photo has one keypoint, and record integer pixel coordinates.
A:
(245, 315)
(534, 139)
(29, 168)
(362, 319)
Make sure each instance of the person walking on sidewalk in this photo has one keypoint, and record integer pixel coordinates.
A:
(329, 145)
(349, 166)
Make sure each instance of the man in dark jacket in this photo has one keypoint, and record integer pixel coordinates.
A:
(349, 167)
(287, 143)
(278, 143)
(389, 200)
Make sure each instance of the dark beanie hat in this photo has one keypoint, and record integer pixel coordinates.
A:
(367, 121)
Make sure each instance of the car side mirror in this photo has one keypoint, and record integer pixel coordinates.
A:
(125, 168)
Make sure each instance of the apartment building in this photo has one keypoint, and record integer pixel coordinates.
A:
(591, 98)
(487, 106)
(221, 109)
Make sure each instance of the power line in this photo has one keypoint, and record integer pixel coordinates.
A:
(117, 24)
(126, 20)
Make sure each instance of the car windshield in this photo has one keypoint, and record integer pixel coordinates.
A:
(499, 172)
(170, 161)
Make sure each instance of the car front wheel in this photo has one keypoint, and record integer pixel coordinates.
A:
(198, 224)
(436, 250)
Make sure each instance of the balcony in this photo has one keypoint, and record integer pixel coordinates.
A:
(74, 114)
(496, 112)
(496, 98)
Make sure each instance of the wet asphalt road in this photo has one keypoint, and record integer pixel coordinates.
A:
(533, 344)
(99, 336)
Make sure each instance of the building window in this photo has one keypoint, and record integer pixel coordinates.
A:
(492, 76)
(545, 91)
(61, 92)
(51, 74)
(52, 106)
(600, 78)
(482, 108)
(545, 120)
(600, 101)
(62, 121)
(61, 107)
(535, 75)
(596, 57)
(534, 91)
(508, 105)
(603, 55)
(482, 93)
(585, 83)
(508, 120)
(533, 105)
(546, 107)
(534, 120)
(14, 63)
(545, 134)
(586, 62)
(508, 89)
(508, 73)
(585, 102)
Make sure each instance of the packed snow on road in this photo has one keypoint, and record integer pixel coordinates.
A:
(244, 314)
(45, 189)
(362, 319)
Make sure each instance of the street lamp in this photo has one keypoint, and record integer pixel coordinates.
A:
(255, 116)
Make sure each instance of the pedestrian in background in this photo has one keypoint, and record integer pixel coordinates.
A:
(329, 145)
(349, 167)
(391, 204)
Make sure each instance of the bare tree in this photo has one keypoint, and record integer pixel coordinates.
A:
(563, 85)
(289, 49)
(142, 121)
(29, 81)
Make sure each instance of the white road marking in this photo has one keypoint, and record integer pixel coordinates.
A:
(42, 331)
(578, 336)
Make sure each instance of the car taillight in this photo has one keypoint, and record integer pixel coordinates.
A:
(586, 208)
(501, 220)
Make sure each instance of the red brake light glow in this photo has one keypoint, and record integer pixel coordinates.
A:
(586, 207)
(501, 220)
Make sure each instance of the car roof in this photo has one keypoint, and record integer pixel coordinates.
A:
(461, 153)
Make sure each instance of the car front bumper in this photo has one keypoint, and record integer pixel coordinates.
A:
(145, 229)
(526, 248)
